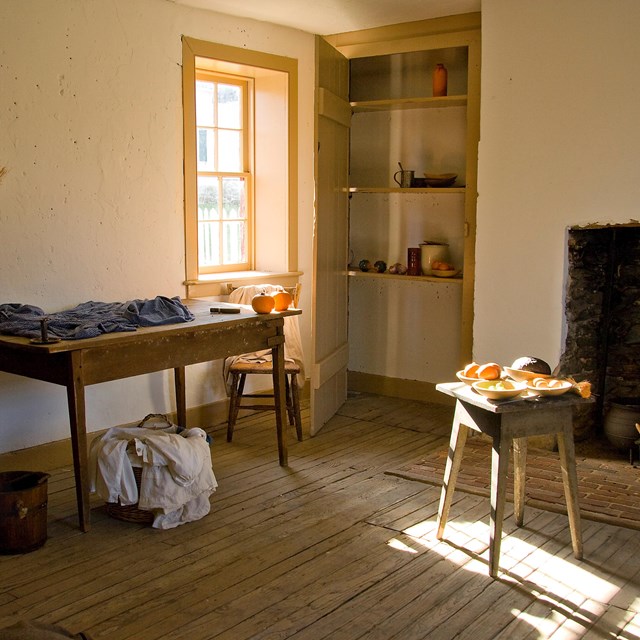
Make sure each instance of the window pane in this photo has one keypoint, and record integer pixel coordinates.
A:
(229, 154)
(204, 103)
(208, 198)
(229, 106)
(206, 150)
(233, 198)
(234, 242)
(208, 243)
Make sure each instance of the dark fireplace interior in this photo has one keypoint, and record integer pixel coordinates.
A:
(602, 310)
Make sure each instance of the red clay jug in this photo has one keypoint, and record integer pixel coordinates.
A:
(439, 81)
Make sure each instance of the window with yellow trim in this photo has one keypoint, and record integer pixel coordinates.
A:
(240, 164)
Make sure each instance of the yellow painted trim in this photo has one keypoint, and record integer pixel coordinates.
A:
(192, 48)
(396, 388)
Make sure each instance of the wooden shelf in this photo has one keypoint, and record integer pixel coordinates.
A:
(356, 273)
(438, 190)
(408, 103)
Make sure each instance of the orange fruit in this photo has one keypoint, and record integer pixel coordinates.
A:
(262, 303)
(471, 370)
(489, 371)
(282, 300)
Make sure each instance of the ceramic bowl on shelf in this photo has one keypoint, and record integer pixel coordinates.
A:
(499, 389)
(440, 179)
(523, 376)
(447, 273)
(556, 390)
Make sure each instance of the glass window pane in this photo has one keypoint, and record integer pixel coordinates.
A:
(208, 243)
(206, 150)
(204, 103)
(229, 153)
(234, 242)
(208, 198)
(234, 198)
(229, 106)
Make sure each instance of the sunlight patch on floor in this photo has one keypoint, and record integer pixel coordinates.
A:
(569, 595)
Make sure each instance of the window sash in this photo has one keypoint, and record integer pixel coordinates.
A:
(224, 184)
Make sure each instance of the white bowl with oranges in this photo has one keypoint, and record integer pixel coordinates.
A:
(474, 372)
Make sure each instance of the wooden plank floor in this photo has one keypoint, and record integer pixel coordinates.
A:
(330, 547)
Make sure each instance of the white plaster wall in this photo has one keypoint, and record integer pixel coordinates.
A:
(560, 146)
(91, 209)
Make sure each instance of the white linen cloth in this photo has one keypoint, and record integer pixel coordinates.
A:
(177, 477)
(292, 344)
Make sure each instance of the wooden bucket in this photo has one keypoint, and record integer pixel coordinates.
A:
(23, 511)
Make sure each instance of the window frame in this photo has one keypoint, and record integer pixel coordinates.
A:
(231, 58)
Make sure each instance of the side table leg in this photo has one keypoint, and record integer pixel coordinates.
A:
(456, 449)
(78, 427)
(519, 476)
(499, 468)
(179, 377)
(567, 452)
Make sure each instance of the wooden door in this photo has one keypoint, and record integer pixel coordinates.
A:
(331, 235)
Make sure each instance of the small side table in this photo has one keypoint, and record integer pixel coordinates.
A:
(511, 422)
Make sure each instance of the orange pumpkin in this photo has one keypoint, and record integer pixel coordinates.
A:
(263, 303)
(282, 300)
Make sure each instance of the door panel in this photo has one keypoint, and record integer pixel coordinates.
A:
(331, 236)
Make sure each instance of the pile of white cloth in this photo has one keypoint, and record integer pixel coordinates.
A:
(293, 342)
(177, 476)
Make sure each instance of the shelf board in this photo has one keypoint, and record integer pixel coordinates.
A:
(356, 273)
(408, 103)
(411, 190)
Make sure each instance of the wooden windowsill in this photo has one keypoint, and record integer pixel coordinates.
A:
(219, 284)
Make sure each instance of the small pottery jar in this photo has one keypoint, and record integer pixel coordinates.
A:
(439, 81)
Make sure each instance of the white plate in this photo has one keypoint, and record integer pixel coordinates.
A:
(556, 391)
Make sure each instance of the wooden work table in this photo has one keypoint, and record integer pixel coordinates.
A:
(76, 364)
(509, 423)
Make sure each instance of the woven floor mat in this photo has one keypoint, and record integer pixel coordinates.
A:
(609, 491)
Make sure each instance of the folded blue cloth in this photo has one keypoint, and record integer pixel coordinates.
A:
(91, 319)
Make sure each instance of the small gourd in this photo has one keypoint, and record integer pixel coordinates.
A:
(263, 303)
(282, 300)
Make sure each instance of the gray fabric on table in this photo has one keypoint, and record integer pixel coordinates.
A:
(91, 319)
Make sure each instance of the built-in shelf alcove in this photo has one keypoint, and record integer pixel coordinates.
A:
(602, 313)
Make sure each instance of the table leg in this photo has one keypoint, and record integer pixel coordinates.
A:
(499, 468)
(519, 476)
(567, 453)
(181, 395)
(456, 449)
(78, 428)
(277, 354)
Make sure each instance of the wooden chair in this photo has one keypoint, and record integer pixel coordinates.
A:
(238, 372)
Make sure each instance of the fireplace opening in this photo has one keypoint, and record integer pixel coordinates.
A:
(602, 313)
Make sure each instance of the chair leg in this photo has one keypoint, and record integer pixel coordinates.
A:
(287, 398)
(295, 398)
(237, 387)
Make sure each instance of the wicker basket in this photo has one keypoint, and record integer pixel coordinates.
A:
(131, 512)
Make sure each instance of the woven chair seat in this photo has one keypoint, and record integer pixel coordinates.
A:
(262, 367)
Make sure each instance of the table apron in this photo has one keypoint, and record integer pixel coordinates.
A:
(172, 351)
(143, 354)
(517, 424)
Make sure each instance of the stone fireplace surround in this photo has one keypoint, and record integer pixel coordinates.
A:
(602, 313)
